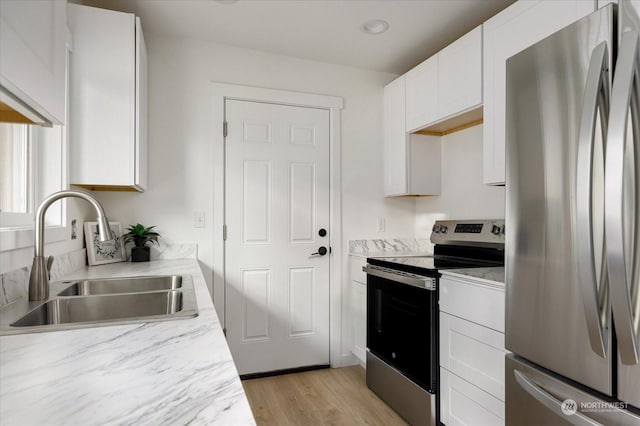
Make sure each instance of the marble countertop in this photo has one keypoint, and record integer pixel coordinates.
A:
(170, 372)
(493, 275)
(391, 254)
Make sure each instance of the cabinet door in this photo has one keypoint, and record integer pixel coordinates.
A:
(511, 31)
(141, 109)
(358, 304)
(460, 75)
(108, 100)
(473, 352)
(359, 320)
(411, 162)
(462, 403)
(33, 37)
(395, 138)
(422, 94)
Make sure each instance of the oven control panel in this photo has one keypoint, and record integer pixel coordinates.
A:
(468, 232)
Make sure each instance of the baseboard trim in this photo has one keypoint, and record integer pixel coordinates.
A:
(281, 372)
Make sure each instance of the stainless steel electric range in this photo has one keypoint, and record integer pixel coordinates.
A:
(402, 314)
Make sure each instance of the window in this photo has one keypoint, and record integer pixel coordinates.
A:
(14, 157)
(33, 166)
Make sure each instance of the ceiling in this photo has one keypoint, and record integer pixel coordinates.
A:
(320, 30)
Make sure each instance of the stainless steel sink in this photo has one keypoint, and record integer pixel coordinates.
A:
(101, 302)
(122, 285)
(106, 308)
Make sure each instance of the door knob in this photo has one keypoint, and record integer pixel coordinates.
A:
(321, 252)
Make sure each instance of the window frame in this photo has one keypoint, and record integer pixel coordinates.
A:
(20, 232)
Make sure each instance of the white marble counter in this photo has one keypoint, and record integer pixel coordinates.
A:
(171, 372)
(391, 254)
(494, 275)
(390, 245)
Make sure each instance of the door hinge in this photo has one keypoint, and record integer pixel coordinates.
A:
(224, 232)
(224, 129)
(224, 331)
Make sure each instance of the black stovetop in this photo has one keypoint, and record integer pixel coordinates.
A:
(445, 257)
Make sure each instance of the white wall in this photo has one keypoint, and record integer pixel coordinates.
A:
(464, 196)
(180, 140)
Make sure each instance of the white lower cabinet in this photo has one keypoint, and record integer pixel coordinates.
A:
(358, 308)
(463, 404)
(472, 352)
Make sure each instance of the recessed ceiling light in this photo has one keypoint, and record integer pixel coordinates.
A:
(226, 1)
(375, 26)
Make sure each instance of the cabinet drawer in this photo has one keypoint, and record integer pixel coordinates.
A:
(473, 301)
(356, 273)
(473, 352)
(462, 403)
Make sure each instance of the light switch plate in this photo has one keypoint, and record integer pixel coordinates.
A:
(198, 219)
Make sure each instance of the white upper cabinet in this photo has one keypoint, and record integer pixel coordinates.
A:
(395, 145)
(514, 29)
(33, 36)
(422, 94)
(447, 84)
(411, 162)
(460, 75)
(108, 91)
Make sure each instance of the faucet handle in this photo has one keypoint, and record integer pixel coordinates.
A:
(49, 263)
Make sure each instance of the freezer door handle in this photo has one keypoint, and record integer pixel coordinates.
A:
(622, 195)
(551, 402)
(594, 297)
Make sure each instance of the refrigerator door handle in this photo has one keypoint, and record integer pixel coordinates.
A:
(622, 257)
(552, 403)
(596, 97)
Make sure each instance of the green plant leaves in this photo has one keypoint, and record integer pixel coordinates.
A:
(141, 235)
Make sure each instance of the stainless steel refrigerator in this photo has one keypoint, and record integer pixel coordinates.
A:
(573, 225)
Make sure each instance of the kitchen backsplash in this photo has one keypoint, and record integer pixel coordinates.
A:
(15, 284)
(395, 245)
(174, 251)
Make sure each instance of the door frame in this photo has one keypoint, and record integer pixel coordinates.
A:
(220, 93)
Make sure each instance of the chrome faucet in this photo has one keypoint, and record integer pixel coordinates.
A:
(39, 279)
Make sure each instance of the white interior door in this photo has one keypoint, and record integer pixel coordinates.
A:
(276, 204)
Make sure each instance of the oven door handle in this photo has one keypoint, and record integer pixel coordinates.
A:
(415, 280)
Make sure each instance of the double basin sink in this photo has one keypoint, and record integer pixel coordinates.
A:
(99, 302)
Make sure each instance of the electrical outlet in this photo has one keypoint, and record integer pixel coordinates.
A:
(74, 229)
(198, 219)
(381, 224)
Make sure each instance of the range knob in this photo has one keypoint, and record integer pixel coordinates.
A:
(496, 230)
(436, 228)
(443, 229)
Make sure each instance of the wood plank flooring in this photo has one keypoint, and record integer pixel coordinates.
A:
(333, 396)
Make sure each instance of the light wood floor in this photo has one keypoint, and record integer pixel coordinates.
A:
(333, 396)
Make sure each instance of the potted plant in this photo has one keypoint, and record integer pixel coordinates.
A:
(140, 237)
